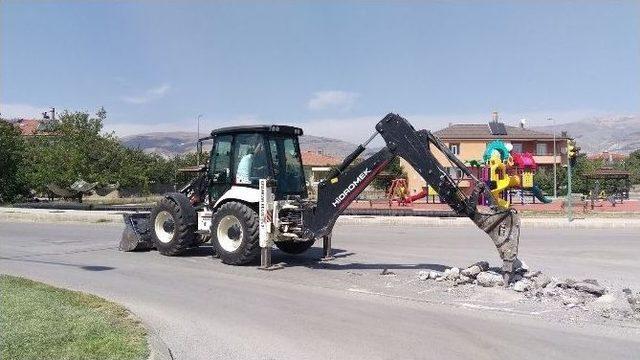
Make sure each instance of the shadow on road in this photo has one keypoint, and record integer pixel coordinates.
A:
(311, 259)
(83, 267)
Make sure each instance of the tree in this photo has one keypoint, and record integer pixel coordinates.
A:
(632, 165)
(11, 162)
(393, 171)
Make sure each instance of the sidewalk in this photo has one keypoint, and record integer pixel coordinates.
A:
(115, 217)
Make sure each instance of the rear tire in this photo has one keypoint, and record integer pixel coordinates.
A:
(234, 234)
(173, 224)
(294, 247)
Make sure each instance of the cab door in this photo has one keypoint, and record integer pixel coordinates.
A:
(220, 167)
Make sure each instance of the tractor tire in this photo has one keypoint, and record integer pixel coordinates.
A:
(234, 234)
(294, 247)
(173, 223)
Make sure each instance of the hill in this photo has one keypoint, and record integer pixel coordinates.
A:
(169, 144)
(619, 134)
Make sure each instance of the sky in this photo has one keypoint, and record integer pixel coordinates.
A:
(334, 68)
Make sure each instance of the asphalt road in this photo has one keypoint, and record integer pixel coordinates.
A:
(203, 309)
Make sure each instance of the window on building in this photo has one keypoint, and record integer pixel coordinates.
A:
(541, 149)
(517, 147)
(455, 148)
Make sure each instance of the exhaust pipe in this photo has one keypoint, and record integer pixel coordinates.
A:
(137, 233)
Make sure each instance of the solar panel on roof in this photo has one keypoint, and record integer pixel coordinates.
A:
(497, 128)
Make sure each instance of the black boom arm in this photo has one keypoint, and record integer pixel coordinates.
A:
(344, 184)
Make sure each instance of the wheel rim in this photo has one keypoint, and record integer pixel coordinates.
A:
(229, 233)
(164, 226)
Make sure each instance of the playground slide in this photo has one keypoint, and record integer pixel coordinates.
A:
(539, 195)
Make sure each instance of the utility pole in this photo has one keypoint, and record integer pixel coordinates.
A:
(197, 140)
(569, 206)
(555, 163)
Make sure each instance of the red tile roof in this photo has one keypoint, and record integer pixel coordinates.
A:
(606, 156)
(313, 158)
(27, 126)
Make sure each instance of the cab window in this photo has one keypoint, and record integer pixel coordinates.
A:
(250, 159)
(221, 159)
(287, 165)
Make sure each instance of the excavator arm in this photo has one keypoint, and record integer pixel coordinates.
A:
(344, 183)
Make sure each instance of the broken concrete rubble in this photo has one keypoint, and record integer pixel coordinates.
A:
(475, 269)
(522, 285)
(489, 279)
(633, 300)
(585, 294)
(453, 274)
(423, 275)
(589, 287)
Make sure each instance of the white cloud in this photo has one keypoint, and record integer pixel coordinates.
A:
(332, 100)
(149, 95)
(11, 111)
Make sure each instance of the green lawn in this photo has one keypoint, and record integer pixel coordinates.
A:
(38, 321)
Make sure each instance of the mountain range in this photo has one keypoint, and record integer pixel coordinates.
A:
(620, 134)
(169, 144)
(614, 134)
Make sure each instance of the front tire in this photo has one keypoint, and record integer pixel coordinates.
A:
(173, 224)
(294, 247)
(234, 234)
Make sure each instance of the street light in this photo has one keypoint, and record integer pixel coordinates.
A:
(555, 171)
(197, 139)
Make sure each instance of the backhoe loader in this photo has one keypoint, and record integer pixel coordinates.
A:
(251, 195)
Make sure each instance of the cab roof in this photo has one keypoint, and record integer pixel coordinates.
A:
(247, 129)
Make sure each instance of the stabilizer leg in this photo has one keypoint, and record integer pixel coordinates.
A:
(326, 248)
(265, 260)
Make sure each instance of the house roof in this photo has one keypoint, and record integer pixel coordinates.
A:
(27, 126)
(483, 132)
(608, 173)
(314, 158)
(606, 156)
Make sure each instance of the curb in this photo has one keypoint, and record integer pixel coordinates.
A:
(158, 350)
(115, 218)
(591, 223)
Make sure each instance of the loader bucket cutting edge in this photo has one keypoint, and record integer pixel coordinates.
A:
(137, 233)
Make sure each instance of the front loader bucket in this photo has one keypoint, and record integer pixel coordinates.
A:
(137, 233)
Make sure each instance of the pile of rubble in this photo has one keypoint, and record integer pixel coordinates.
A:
(534, 284)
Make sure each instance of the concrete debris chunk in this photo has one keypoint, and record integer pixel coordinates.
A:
(490, 279)
(475, 269)
(433, 275)
(633, 300)
(463, 280)
(423, 275)
(567, 283)
(589, 288)
(542, 280)
(386, 272)
(571, 301)
(522, 285)
(454, 273)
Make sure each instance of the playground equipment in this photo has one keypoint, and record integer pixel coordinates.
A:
(499, 179)
(505, 169)
(398, 191)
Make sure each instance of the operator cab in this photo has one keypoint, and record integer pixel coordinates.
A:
(242, 155)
